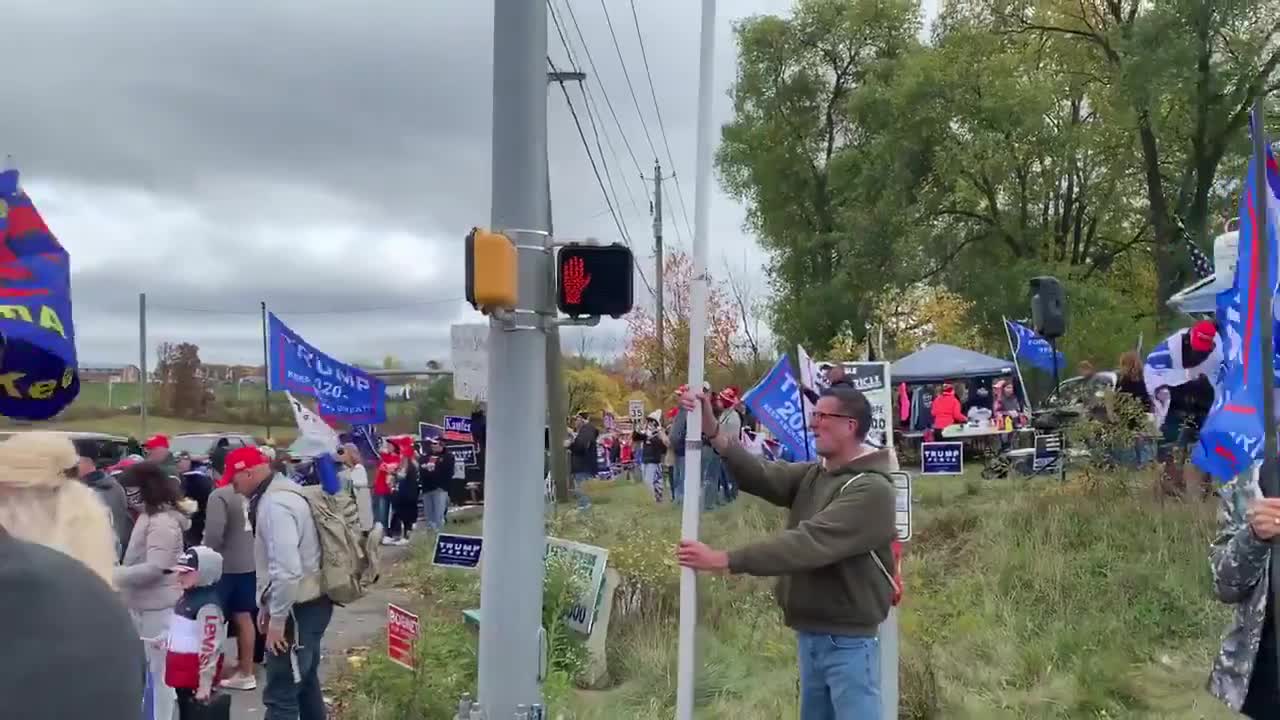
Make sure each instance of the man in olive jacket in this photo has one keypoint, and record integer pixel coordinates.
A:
(833, 559)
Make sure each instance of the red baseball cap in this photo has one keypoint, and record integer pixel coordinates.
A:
(156, 441)
(239, 460)
(1203, 335)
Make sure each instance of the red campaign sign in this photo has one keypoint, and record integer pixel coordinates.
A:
(402, 635)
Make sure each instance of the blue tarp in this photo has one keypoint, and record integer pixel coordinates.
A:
(939, 362)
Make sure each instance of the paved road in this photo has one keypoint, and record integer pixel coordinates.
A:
(360, 623)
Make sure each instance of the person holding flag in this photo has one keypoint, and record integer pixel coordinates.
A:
(1237, 446)
(1186, 368)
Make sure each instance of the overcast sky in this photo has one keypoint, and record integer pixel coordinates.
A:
(216, 155)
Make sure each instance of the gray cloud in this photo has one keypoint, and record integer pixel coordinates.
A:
(320, 157)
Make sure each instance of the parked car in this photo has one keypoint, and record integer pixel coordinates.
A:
(200, 445)
(105, 450)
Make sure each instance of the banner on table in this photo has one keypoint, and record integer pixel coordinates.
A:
(776, 403)
(38, 375)
(342, 391)
(1029, 347)
(1231, 439)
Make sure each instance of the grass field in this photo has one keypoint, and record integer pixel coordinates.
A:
(130, 424)
(1024, 599)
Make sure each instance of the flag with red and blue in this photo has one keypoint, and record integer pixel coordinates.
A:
(1232, 437)
(38, 375)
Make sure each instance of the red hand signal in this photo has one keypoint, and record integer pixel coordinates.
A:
(575, 279)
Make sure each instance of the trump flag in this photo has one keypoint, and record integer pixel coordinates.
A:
(1231, 439)
(38, 375)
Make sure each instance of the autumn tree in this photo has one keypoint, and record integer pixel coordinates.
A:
(182, 390)
(643, 354)
(591, 390)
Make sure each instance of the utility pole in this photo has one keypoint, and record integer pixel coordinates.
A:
(266, 374)
(557, 413)
(142, 360)
(512, 640)
(657, 249)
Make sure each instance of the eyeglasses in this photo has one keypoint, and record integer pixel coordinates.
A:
(815, 415)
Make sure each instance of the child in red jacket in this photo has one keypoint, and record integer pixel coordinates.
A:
(197, 631)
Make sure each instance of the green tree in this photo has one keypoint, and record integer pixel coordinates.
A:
(790, 149)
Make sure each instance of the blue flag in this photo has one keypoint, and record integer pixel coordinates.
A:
(1231, 439)
(38, 375)
(776, 403)
(343, 392)
(1032, 349)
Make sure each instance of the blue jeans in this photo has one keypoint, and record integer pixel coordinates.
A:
(712, 469)
(575, 489)
(437, 508)
(677, 481)
(284, 698)
(839, 677)
(652, 474)
(382, 510)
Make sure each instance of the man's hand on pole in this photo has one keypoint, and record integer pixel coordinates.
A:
(702, 558)
(689, 401)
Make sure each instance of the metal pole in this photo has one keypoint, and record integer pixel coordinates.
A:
(142, 360)
(657, 249)
(1269, 479)
(511, 637)
(686, 673)
(557, 397)
(266, 370)
(889, 666)
(1013, 352)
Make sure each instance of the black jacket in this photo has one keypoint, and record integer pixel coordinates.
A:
(197, 486)
(437, 471)
(407, 489)
(582, 451)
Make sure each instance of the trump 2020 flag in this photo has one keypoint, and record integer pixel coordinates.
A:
(776, 403)
(1031, 348)
(317, 439)
(1231, 439)
(38, 375)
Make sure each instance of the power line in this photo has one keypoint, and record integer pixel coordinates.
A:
(592, 111)
(573, 18)
(258, 311)
(627, 76)
(644, 55)
(582, 135)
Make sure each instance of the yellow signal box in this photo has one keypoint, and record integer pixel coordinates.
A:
(491, 271)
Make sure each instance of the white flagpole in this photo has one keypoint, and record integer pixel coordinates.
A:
(686, 673)
(1026, 397)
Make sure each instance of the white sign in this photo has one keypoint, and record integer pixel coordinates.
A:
(588, 563)
(902, 507)
(469, 352)
(636, 410)
(872, 379)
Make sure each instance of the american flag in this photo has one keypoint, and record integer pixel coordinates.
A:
(1201, 264)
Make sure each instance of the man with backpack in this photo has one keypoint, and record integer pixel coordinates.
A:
(295, 608)
(832, 561)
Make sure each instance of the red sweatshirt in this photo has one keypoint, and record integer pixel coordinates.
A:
(946, 409)
(386, 469)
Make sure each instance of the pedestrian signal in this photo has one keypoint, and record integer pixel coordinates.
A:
(491, 270)
(594, 280)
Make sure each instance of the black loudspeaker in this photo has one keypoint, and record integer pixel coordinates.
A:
(1048, 307)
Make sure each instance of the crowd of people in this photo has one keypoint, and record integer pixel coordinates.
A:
(656, 447)
(175, 558)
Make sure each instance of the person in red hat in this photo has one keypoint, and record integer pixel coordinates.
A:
(294, 612)
(157, 447)
(1184, 367)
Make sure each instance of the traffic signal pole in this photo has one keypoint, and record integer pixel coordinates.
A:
(511, 636)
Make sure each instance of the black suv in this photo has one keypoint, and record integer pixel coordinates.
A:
(200, 445)
(106, 450)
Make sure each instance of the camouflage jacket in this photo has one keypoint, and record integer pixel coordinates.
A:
(1239, 561)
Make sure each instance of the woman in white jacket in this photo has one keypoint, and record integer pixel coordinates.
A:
(356, 480)
(146, 579)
